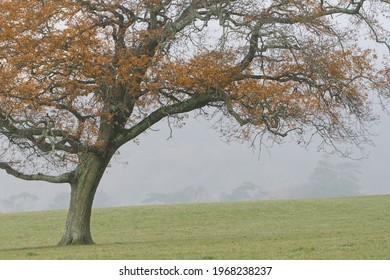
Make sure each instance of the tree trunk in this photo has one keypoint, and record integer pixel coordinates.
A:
(83, 188)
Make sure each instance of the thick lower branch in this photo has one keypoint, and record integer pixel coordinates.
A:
(195, 102)
(59, 179)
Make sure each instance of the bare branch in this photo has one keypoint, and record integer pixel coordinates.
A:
(63, 178)
(195, 102)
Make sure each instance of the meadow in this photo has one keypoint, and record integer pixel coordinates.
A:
(336, 228)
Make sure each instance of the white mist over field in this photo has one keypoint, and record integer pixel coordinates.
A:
(196, 159)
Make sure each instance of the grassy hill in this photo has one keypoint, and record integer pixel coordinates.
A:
(339, 228)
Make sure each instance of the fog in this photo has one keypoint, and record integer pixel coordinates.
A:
(196, 159)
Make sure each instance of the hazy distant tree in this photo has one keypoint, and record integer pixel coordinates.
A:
(332, 179)
(60, 201)
(20, 202)
(246, 191)
(81, 78)
(186, 195)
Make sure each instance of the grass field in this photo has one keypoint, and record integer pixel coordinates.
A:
(340, 228)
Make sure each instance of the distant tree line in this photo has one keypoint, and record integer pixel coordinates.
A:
(19, 202)
(327, 179)
(246, 191)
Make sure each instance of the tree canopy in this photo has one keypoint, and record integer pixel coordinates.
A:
(79, 79)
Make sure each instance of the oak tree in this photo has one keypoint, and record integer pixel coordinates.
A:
(81, 78)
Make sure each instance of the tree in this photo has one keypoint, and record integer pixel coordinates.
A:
(246, 191)
(20, 202)
(81, 78)
(330, 179)
(189, 194)
(60, 201)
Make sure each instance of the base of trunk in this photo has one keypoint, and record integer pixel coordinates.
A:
(84, 239)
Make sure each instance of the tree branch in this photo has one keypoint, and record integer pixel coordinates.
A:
(37, 135)
(195, 102)
(60, 179)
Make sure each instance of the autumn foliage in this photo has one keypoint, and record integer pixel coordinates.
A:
(79, 79)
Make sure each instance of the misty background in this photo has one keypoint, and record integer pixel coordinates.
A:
(196, 165)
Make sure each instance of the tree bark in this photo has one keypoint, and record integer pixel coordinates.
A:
(83, 188)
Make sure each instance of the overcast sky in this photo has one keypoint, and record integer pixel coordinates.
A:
(197, 156)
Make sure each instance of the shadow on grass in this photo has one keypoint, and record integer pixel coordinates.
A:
(20, 249)
(28, 248)
(43, 252)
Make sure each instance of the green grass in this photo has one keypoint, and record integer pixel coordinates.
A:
(340, 228)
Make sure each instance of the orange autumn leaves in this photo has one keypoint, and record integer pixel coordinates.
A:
(210, 71)
(294, 90)
(45, 49)
(36, 44)
(65, 57)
